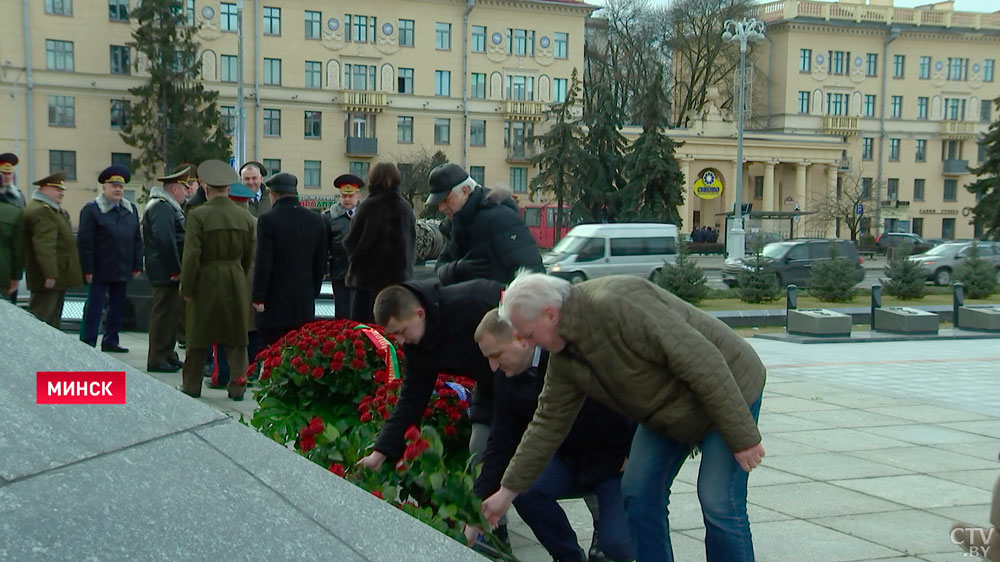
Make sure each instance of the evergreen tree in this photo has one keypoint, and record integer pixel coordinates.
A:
(987, 187)
(414, 170)
(683, 278)
(757, 283)
(833, 280)
(654, 189)
(562, 152)
(978, 275)
(173, 117)
(598, 191)
(907, 279)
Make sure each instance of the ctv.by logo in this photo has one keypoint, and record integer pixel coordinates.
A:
(976, 540)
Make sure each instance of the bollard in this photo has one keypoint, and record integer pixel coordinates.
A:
(876, 301)
(791, 299)
(958, 299)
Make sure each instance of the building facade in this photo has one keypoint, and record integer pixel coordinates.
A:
(325, 90)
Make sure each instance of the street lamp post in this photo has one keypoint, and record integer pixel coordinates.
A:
(741, 32)
(240, 132)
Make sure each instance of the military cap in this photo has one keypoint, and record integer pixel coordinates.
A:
(283, 182)
(192, 171)
(7, 162)
(217, 174)
(115, 174)
(240, 191)
(180, 176)
(54, 180)
(443, 179)
(348, 184)
(258, 165)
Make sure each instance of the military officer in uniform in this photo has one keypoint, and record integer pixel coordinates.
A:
(51, 261)
(290, 262)
(338, 223)
(218, 249)
(252, 174)
(8, 191)
(163, 244)
(11, 248)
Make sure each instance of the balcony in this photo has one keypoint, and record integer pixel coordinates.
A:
(362, 146)
(959, 130)
(523, 110)
(955, 167)
(840, 126)
(520, 153)
(363, 101)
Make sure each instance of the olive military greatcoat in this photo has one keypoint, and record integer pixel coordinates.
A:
(49, 249)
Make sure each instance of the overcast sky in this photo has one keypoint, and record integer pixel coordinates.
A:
(960, 5)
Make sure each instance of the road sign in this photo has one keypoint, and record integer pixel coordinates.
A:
(859, 208)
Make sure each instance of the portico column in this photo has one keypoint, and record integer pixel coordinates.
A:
(686, 184)
(800, 185)
(831, 181)
(768, 186)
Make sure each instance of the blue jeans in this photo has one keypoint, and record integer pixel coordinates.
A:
(115, 295)
(548, 521)
(722, 491)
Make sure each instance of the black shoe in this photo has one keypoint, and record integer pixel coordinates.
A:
(182, 344)
(237, 398)
(181, 388)
(218, 386)
(114, 349)
(166, 367)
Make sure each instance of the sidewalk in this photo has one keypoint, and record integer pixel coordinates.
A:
(872, 451)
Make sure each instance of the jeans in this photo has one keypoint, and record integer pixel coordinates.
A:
(115, 295)
(548, 521)
(722, 491)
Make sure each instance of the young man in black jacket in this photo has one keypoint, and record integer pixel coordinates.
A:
(589, 461)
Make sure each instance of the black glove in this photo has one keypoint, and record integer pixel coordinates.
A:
(472, 268)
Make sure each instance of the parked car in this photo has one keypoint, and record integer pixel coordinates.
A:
(791, 261)
(897, 239)
(940, 262)
(596, 250)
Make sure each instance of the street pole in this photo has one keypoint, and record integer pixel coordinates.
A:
(741, 31)
(239, 132)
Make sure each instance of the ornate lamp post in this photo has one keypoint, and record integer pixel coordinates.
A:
(740, 32)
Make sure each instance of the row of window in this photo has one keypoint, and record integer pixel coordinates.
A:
(956, 68)
(118, 10)
(892, 192)
(839, 104)
(950, 150)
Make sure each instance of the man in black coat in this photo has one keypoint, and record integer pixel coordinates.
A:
(338, 223)
(589, 461)
(163, 246)
(435, 325)
(488, 240)
(290, 262)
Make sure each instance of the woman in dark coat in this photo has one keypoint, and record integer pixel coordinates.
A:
(381, 244)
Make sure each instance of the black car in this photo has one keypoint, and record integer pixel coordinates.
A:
(901, 239)
(791, 260)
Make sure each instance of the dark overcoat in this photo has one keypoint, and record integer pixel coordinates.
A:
(109, 241)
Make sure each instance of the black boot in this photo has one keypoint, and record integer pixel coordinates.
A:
(595, 554)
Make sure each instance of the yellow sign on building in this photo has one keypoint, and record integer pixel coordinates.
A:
(708, 185)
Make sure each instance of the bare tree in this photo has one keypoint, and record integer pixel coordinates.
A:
(699, 56)
(841, 207)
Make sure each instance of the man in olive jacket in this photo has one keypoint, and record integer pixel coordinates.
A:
(688, 379)
(51, 261)
(218, 249)
(11, 248)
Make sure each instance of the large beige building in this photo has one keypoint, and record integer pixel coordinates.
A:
(328, 87)
(908, 90)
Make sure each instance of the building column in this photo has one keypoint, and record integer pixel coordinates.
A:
(831, 180)
(768, 202)
(688, 193)
(800, 185)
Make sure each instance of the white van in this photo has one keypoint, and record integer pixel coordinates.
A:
(595, 250)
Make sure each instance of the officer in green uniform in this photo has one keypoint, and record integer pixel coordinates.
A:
(218, 248)
(11, 249)
(51, 260)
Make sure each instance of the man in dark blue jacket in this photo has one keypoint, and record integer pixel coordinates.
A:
(110, 254)
(590, 460)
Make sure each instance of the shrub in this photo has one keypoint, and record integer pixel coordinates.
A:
(757, 283)
(907, 279)
(977, 274)
(684, 278)
(832, 280)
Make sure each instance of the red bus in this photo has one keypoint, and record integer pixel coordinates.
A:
(541, 222)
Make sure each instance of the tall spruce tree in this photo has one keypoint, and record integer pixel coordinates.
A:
(987, 187)
(173, 117)
(654, 189)
(598, 198)
(561, 154)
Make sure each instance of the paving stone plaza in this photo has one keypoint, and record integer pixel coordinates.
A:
(873, 449)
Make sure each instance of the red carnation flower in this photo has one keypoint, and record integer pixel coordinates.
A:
(296, 361)
(317, 372)
(440, 404)
(336, 365)
(358, 363)
(378, 495)
(412, 452)
(303, 369)
(242, 381)
(366, 417)
(454, 415)
(412, 434)
(392, 399)
(338, 356)
(316, 425)
(450, 430)
(428, 413)
(340, 337)
(338, 469)
(307, 443)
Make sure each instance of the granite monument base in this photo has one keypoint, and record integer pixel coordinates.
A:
(818, 322)
(905, 320)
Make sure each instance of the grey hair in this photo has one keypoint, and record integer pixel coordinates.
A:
(468, 182)
(530, 292)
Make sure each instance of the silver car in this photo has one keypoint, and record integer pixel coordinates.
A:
(940, 262)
